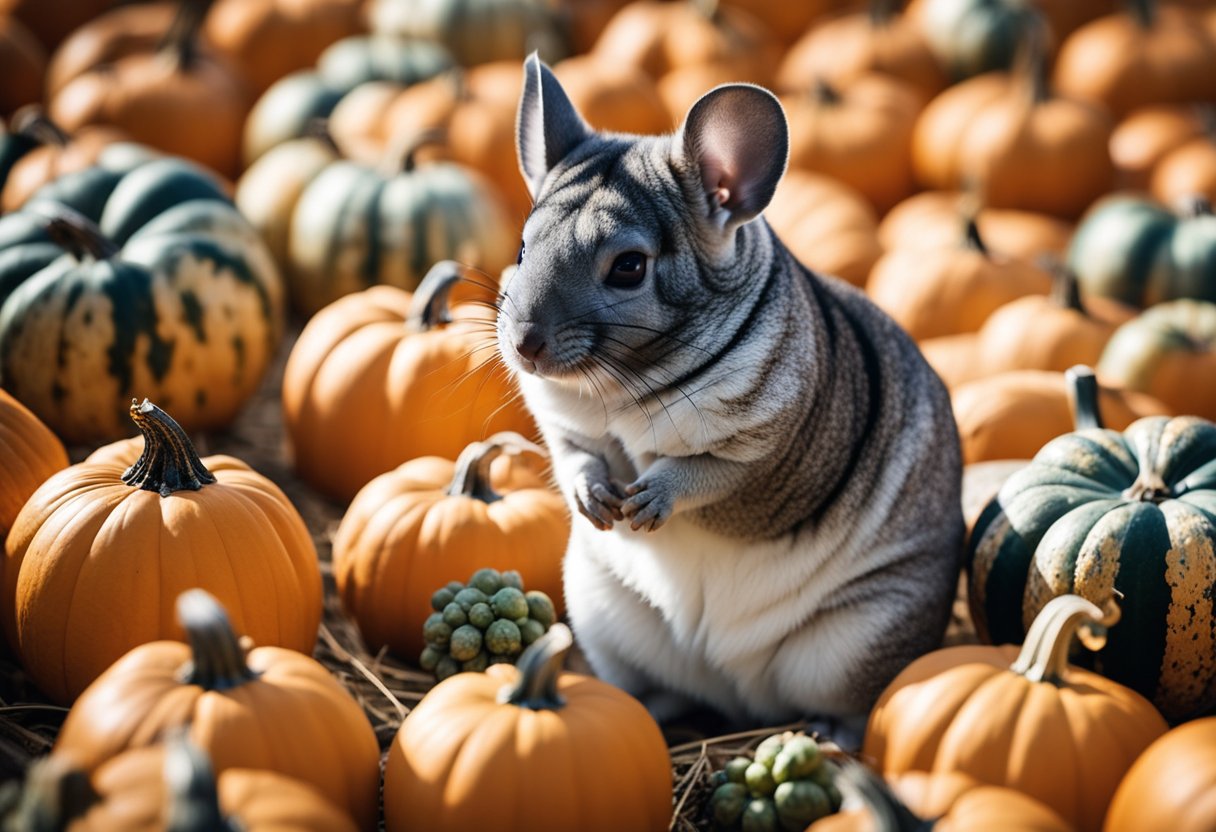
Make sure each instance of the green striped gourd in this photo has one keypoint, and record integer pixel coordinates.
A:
(970, 37)
(356, 225)
(1099, 513)
(475, 31)
(134, 278)
(1139, 252)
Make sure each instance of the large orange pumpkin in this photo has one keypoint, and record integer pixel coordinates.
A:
(170, 786)
(100, 551)
(271, 708)
(1024, 718)
(29, 454)
(528, 748)
(432, 521)
(382, 376)
(1172, 785)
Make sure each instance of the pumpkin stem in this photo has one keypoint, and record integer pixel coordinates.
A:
(430, 306)
(318, 129)
(1149, 487)
(1065, 289)
(217, 659)
(888, 811)
(169, 462)
(194, 801)
(1194, 205)
(55, 793)
(402, 155)
(472, 476)
(32, 122)
(539, 666)
(709, 9)
(1044, 655)
(882, 12)
(1030, 61)
(1144, 12)
(77, 234)
(1082, 387)
(971, 233)
(824, 93)
(181, 41)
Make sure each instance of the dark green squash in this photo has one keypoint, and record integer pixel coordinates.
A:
(134, 278)
(1100, 513)
(970, 37)
(1137, 251)
(476, 31)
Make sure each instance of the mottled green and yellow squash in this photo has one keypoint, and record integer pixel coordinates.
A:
(129, 280)
(1141, 253)
(1099, 513)
(475, 31)
(970, 37)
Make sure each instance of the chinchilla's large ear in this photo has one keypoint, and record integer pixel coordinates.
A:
(737, 139)
(547, 126)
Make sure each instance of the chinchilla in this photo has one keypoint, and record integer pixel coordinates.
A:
(765, 471)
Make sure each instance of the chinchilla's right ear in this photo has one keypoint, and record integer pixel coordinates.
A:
(547, 126)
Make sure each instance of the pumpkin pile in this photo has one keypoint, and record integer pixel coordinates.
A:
(276, 229)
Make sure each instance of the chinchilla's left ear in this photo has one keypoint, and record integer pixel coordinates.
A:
(547, 126)
(736, 139)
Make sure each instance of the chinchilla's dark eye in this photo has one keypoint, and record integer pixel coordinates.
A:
(628, 270)
(520, 258)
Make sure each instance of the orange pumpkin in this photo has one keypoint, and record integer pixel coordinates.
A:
(787, 21)
(847, 46)
(931, 220)
(860, 134)
(381, 377)
(271, 709)
(118, 33)
(532, 748)
(170, 786)
(29, 454)
(1172, 786)
(1012, 415)
(432, 521)
(1148, 135)
(267, 39)
(22, 64)
(149, 522)
(1021, 146)
(826, 224)
(946, 802)
(55, 154)
(945, 291)
(1023, 719)
(1187, 172)
(1037, 332)
(52, 20)
(178, 97)
(1149, 53)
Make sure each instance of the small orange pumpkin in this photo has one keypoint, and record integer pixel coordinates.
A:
(432, 521)
(1147, 135)
(29, 454)
(529, 747)
(945, 802)
(170, 786)
(1172, 786)
(382, 376)
(55, 154)
(271, 708)
(149, 522)
(1024, 719)
(1188, 171)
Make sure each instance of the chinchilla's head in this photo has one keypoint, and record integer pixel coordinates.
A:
(634, 250)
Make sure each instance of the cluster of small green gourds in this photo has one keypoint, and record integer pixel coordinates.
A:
(488, 621)
(787, 786)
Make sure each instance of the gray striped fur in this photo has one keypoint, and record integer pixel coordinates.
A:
(790, 458)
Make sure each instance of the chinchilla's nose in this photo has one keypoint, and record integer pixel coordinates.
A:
(532, 344)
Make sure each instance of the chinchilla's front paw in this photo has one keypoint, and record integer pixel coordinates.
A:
(650, 503)
(598, 500)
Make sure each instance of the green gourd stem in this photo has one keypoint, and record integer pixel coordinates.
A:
(882, 12)
(1082, 386)
(318, 130)
(472, 475)
(825, 94)
(1149, 486)
(1044, 654)
(888, 811)
(1065, 288)
(32, 122)
(972, 239)
(1144, 12)
(217, 659)
(78, 235)
(169, 462)
(194, 801)
(181, 41)
(55, 793)
(1195, 205)
(539, 667)
(402, 155)
(430, 307)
